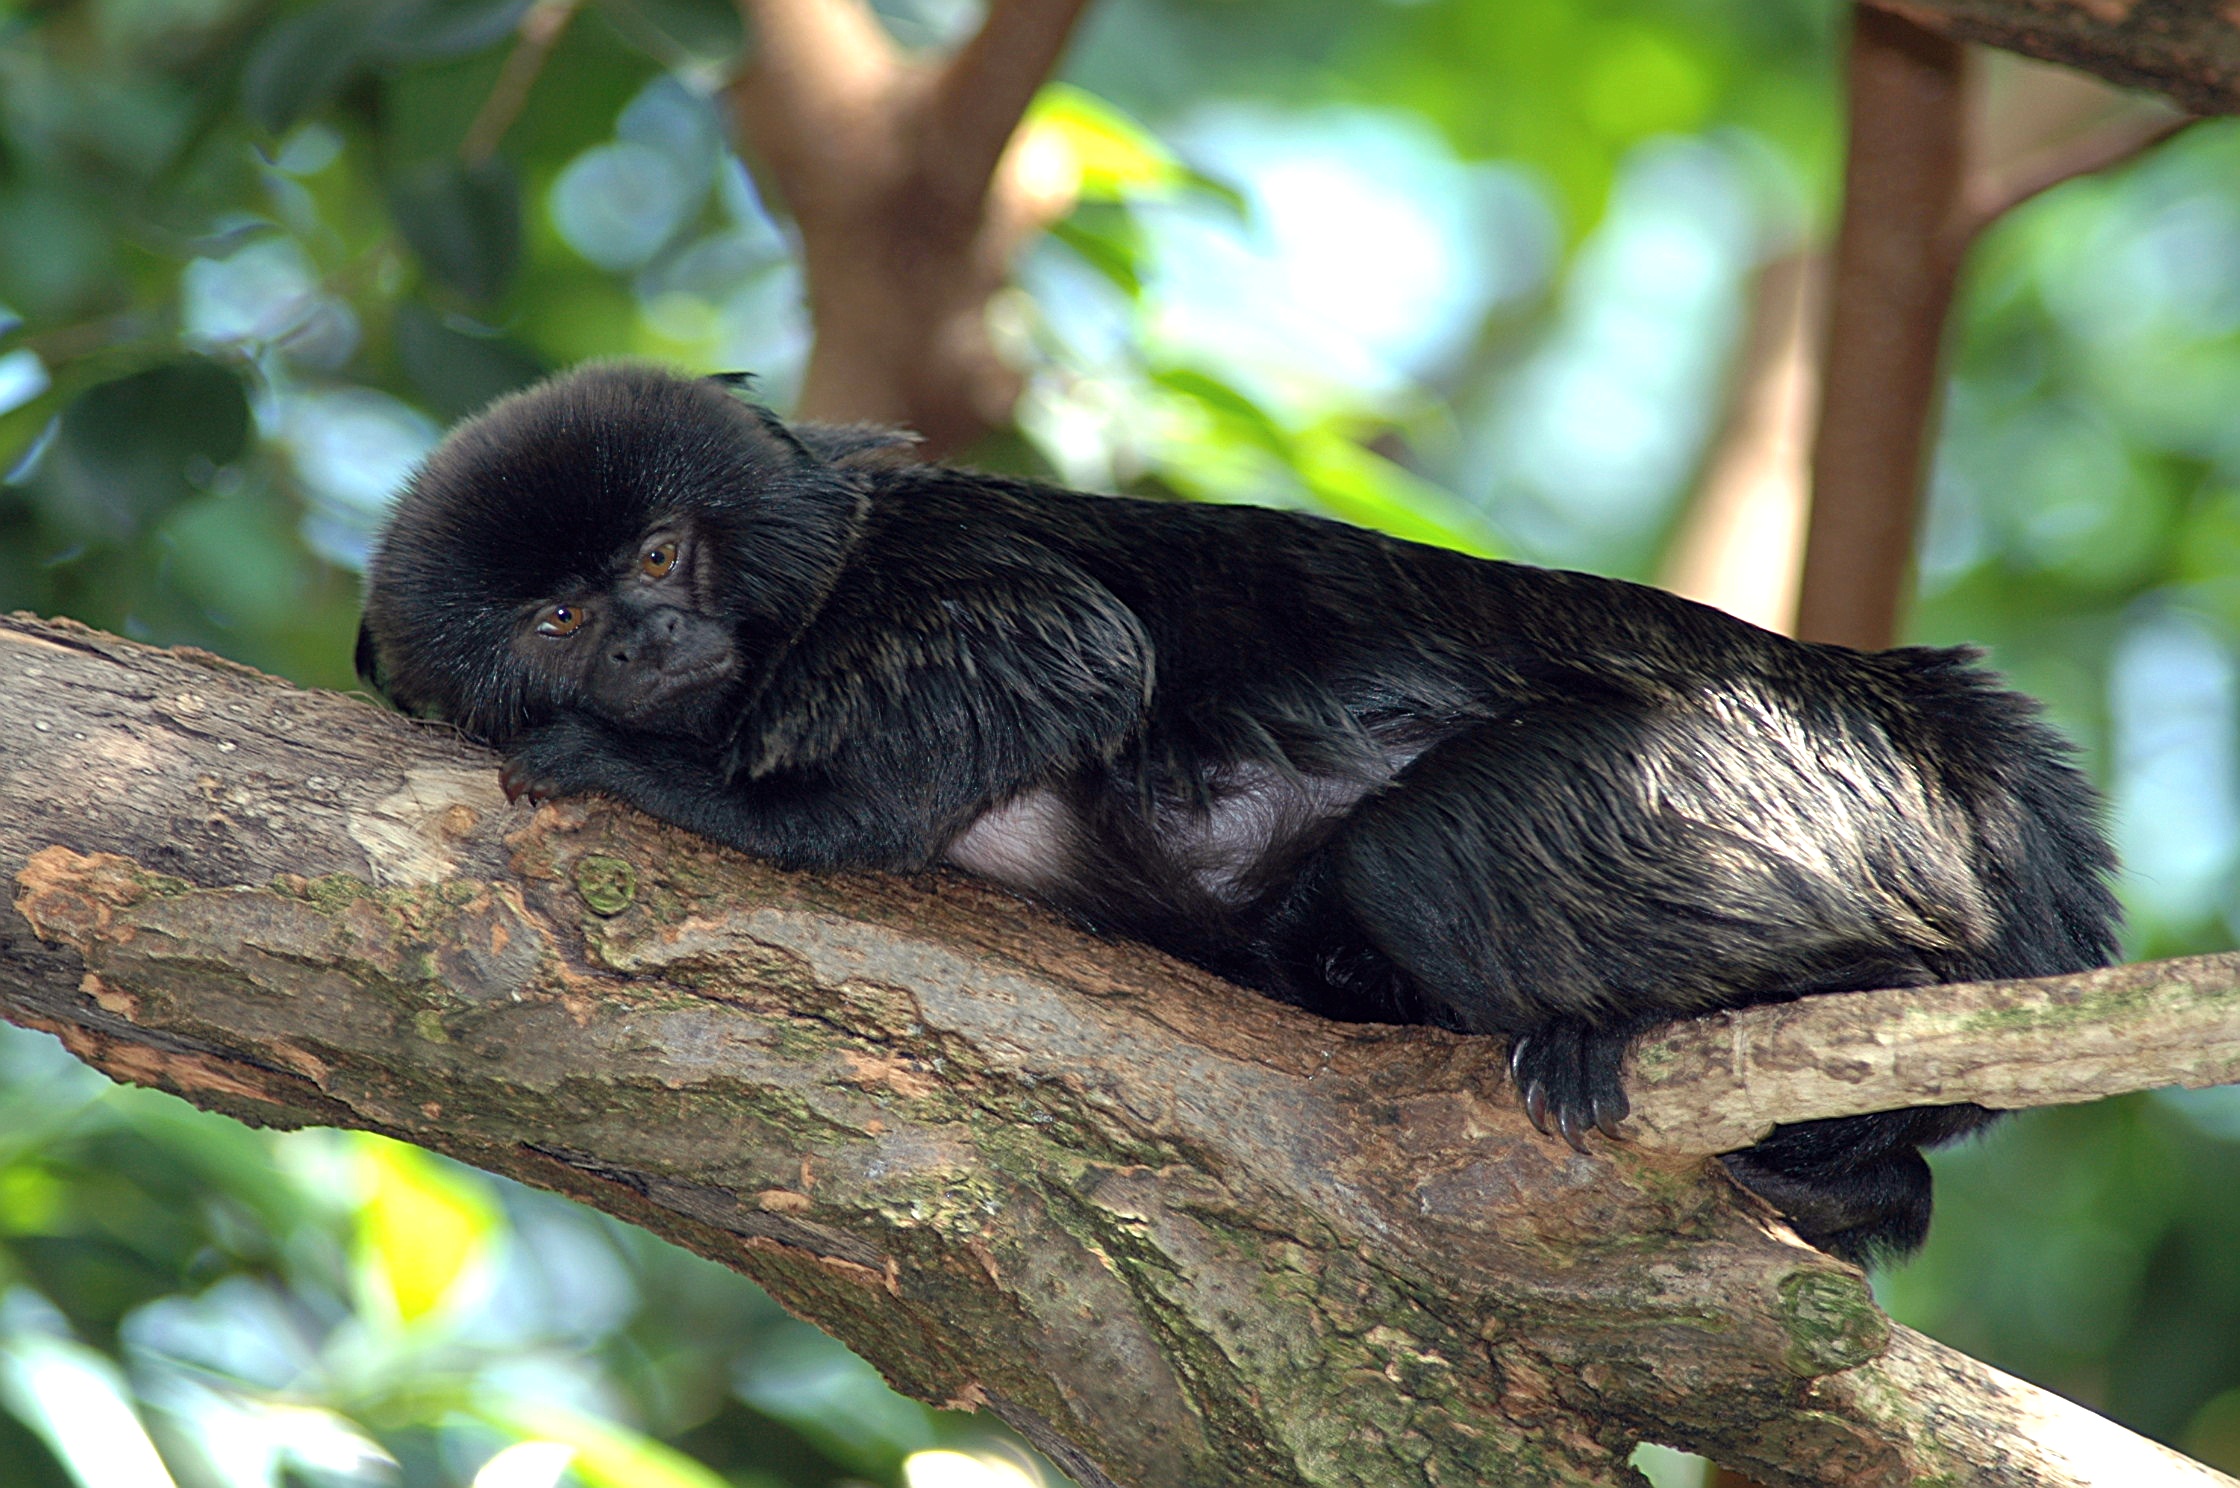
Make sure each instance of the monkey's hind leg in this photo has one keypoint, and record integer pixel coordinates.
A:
(1562, 878)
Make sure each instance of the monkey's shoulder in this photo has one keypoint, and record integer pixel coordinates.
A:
(970, 641)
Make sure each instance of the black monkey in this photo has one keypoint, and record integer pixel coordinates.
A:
(1378, 780)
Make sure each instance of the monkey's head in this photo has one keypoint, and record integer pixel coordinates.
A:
(618, 541)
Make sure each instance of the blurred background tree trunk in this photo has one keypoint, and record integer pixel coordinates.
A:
(910, 198)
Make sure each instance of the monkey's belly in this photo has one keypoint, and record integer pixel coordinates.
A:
(1038, 843)
(1027, 843)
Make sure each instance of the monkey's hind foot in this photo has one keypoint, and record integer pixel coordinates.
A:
(1567, 1075)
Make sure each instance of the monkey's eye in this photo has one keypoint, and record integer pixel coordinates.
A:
(659, 559)
(560, 620)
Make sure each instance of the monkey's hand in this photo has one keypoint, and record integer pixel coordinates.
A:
(565, 757)
(1567, 1075)
(794, 821)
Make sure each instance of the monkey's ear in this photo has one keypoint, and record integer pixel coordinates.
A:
(856, 446)
(778, 430)
(742, 383)
(859, 446)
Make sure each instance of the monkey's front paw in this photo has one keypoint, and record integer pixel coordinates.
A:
(1567, 1075)
(522, 783)
(555, 759)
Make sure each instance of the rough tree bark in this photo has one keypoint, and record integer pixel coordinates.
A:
(2188, 50)
(1174, 1233)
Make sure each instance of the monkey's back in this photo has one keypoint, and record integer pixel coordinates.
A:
(1301, 665)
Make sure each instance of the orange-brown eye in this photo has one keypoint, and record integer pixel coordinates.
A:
(560, 620)
(659, 559)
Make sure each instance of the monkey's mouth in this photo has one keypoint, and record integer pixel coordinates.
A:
(689, 700)
(695, 677)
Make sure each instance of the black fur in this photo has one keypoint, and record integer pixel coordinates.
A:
(1379, 780)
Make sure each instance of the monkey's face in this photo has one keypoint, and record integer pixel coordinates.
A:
(652, 648)
(619, 541)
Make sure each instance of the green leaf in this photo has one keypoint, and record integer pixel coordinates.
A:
(1245, 418)
(76, 1400)
(304, 61)
(421, 1230)
(1364, 487)
(1636, 81)
(454, 368)
(29, 1458)
(1220, 190)
(1107, 155)
(170, 413)
(430, 30)
(128, 450)
(464, 222)
(1106, 239)
(22, 427)
(606, 1455)
(671, 30)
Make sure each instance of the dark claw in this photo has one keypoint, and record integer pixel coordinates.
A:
(519, 784)
(1567, 1075)
(1536, 1106)
(1573, 1128)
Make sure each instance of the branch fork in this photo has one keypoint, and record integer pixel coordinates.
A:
(901, 176)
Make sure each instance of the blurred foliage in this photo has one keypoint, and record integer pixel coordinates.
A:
(326, 1308)
(1476, 273)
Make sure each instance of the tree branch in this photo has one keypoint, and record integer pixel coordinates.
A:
(1977, 1415)
(1738, 543)
(1914, 202)
(539, 31)
(2186, 49)
(1990, 195)
(985, 87)
(812, 95)
(1717, 1083)
(1173, 1232)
